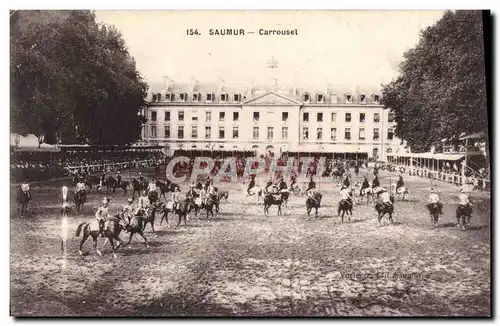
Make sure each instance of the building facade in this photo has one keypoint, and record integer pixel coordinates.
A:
(349, 123)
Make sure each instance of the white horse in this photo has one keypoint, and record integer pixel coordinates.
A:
(368, 192)
(255, 191)
(402, 191)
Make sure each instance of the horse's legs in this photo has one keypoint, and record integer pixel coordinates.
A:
(82, 242)
(145, 240)
(112, 246)
(130, 239)
(95, 244)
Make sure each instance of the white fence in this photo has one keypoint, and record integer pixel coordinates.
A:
(112, 166)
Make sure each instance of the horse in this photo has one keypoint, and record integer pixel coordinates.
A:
(383, 209)
(150, 218)
(223, 194)
(210, 203)
(22, 199)
(435, 211)
(91, 180)
(79, 200)
(123, 185)
(402, 191)
(314, 202)
(135, 225)
(137, 186)
(112, 232)
(183, 209)
(253, 191)
(153, 196)
(110, 183)
(464, 214)
(163, 188)
(345, 207)
(376, 190)
(270, 199)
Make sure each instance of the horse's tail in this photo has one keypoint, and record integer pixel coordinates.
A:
(259, 193)
(79, 228)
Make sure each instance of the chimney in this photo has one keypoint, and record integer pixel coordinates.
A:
(220, 84)
(167, 82)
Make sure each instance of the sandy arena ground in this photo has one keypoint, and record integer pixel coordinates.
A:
(246, 264)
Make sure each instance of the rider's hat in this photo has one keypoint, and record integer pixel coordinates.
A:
(432, 190)
(129, 200)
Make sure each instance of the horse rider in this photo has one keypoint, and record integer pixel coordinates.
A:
(142, 205)
(311, 185)
(141, 177)
(268, 185)
(203, 195)
(118, 178)
(434, 199)
(375, 170)
(251, 184)
(311, 190)
(176, 197)
(293, 181)
(365, 185)
(102, 215)
(346, 182)
(211, 190)
(25, 188)
(80, 188)
(400, 183)
(385, 199)
(464, 203)
(345, 196)
(102, 180)
(192, 194)
(376, 182)
(129, 209)
(152, 186)
(281, 184)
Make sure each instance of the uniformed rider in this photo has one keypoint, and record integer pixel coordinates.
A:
(102, 215)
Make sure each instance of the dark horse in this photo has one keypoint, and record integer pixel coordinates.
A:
(182, 211)
(135, 225)
(435, 210)
(345, 206)
(165, 187)
(112, 184)
(277, 199)
(23, 199)
(383, 209)
(79, 200)
(138, 186)
(150, 218)
(90, 181)
(464, 214)
(153, 197)
(211, 202)
(112, 232)
(314, 202)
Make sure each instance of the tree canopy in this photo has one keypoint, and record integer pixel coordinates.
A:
(440, 91)
(73, 79)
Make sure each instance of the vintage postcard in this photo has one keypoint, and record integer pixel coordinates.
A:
(250, 163)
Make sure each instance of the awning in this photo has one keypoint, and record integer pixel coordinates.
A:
(477, 135)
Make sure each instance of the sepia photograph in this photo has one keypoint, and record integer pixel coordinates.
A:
(239, 163)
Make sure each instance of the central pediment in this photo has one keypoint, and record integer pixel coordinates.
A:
(272, 98)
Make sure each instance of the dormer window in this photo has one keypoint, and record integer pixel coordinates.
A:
(168, 97)
(362, 98)
(348, 98)
(319, 98)
(237, 97)
(183, 97)
(159, 97)
(155, 98)
(306, 97)
(196, 97)
(210, 97)
(376, 98)
(223, 97)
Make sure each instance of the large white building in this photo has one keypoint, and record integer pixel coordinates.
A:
(216, 116)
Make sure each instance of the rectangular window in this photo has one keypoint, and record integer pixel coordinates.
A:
(210, 97)
(222, 116)
(319, 133)
(183, 97)
(347, 117)
(256, 116)
(255, 132)
(334, 117)
(236, 132)
(347, 134)
(284, 116)
(153, 115)
(153, 131)
(159, 97)
(154, 98)
(181, 115)
(348, 98)
(362, 117)
(305, 117)
(208, 116)
(376, 134)
(320, 117)
(236, 116)
(223, 97)
(390, 134)
(180, 132)
(284, 132)
(320, 98)
(333, 133)
(362, 98)
(237, 97)
(362, 133)
(391, 117)
(172, 97)
(196, 97)
(167, 115)
(306, 97)
(222, 133)
(167, 131)
(270, 133)
(168, 97)
(305, 133)
(208, 132)
(194, 132)
(376, 98)
(195, 117)
(376, 117)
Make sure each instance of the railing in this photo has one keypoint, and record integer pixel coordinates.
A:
(481, 184)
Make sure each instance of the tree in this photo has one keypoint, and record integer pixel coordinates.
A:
(73, 79)
(440, 91)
